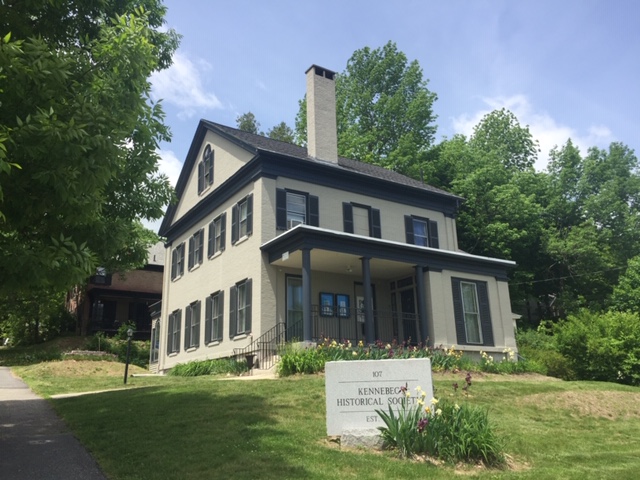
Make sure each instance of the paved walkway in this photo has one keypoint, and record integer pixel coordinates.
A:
(34, 442)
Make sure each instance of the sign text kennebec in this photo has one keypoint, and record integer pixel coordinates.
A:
(356, 389)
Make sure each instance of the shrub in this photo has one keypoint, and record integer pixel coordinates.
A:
(139, 354)
(442, 429)
(218, 366)
(602, 346)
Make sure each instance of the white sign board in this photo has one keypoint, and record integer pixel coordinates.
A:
(356, 389)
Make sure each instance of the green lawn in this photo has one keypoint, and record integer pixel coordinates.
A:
(205, 427)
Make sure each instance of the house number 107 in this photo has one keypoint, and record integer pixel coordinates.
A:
(377, 374)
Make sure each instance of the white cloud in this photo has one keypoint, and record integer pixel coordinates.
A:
(170, 165)
(542, 126)
(181, 85)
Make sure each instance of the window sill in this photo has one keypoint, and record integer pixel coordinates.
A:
(195, 267)
(173, 354)
(214, 343)
(177, 278)
(242, 239)
(215, 255)
(190, 349)
(242, 336)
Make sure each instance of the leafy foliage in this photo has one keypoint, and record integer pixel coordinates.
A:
(604, 347)
(80, 134)
(219, 366)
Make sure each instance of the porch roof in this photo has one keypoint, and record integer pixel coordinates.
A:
(338, 248)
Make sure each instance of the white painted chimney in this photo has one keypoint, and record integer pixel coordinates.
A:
(322, 136)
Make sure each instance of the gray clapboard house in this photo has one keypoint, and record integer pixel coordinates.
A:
(271, 241)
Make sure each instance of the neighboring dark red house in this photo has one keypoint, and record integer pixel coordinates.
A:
(112, 299)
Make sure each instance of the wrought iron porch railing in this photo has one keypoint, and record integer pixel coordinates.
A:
(264, 349)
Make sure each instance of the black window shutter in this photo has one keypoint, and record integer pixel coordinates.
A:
(250, 214)
(376, 230)
(178, 329)
(181, 259)
(314, 211)
(210, 166)
(458, 312)
(174, 264)
(234, 224)
(248, 310)
(408, 228)
(433, 234)
(208, 315)
(196, 318)
(191, 252)
(221, 320)
(187, 326)
(233, 324)
(223, 230)
(170, 333)
(347, 217)
(281, 209)
(485, 314)
(210, 251)
(200, 177)
(201, 245)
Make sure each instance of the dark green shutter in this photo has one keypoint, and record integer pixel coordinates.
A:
(248, 309)
(314, 211)
(433, 234)
(208, 315)
(221, 314)
(485, 314)
(281, 209)
(233, 324)
(249, 214)
(174, 264)
(187, 326)
(170, 333)
(201, 245)
(408, 228)
(178, 329)
(234, 224)
(196, 316)
(458, 312)
(210, 166)
(200, 177)
(376, 230)
(347, 217)
(210, 251)
(223, 231)
(191, 251)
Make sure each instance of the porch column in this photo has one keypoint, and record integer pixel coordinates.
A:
(369, 327)
(307, 324)
(422, 304)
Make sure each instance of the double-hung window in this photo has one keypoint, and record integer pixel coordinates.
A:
(421, 231)
(471, 312)
(242, 219)
(196, 248)
(192, 326)
(296, 208)
(177, 262)
(361, 220)
(217, 229)
(240, 305)
(173, 331)
(214, 310)
(205, 170)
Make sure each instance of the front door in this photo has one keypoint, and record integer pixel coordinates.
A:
(409, 318)
(294, 308)
(359, 298)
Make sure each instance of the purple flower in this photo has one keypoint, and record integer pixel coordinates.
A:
(422, 424)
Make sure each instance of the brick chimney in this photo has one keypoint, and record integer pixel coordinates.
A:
(322, 136)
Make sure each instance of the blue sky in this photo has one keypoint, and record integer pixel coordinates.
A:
(568, 69)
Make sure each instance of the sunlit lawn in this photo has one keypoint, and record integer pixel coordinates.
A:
(206, 427)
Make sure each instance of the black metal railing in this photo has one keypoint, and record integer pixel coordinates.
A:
(262, 352)
(343, 324)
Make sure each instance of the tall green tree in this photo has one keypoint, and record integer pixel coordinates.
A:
(247, 123)
(384, 110)
(82, 134)
(282, 132)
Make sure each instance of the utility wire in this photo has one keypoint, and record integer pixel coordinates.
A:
(568, 276)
